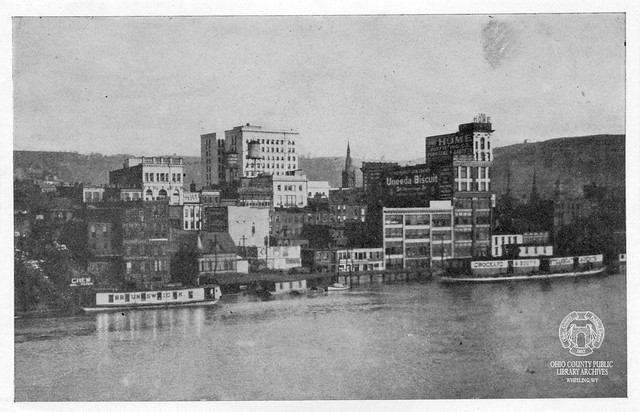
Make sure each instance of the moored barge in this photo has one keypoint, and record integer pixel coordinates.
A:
(528, 269)
(196, 296)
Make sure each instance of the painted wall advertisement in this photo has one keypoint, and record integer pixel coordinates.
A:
(442, 148)
(417, 185)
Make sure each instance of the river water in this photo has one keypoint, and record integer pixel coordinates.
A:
(379, 341)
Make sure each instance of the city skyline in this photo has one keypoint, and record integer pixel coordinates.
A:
(145, 86)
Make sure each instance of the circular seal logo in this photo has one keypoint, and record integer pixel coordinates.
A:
(581, 333)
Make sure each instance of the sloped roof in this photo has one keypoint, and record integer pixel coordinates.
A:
(222, 241)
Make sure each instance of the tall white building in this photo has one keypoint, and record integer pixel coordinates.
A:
(247, 151)
(252, 151)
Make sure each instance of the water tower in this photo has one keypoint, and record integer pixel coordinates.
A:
(253, 153)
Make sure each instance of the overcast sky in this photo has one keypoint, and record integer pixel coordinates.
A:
(150, 86)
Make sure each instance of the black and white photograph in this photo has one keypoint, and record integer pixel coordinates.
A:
(319, 205)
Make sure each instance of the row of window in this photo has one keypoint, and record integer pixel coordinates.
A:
(290, 200)
(468, 172)
(391, 233)
(252, 173)
(143, 266)
(271, 166)
(92, 196)
(191, 212)
(506, 240)
(360, 255)
(192, 225)
(213, 265)
(162, 177)
(482, 144)
(276, 149)
(277, 141)
(419, 220)
(273, 158)
(468, 203)
(281, 285)
(473, 186)
(285, 231)
(289, 187)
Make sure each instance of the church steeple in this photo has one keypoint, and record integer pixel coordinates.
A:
(347, 161)
(349, 173)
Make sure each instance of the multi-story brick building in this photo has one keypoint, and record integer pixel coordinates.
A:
(146, 243)
(104, 243)
(212, 160)
(285, 227)
(470, 154)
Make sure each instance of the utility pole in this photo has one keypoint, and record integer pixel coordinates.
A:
(215, 255)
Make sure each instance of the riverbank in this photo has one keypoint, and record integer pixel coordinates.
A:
(234, 282)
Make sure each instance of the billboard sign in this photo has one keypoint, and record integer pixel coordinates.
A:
(413, 186)
(191, 197)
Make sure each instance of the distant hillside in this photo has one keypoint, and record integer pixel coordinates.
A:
(575, 161)
(328, 169)
(94, 168)
(571, 161)
(74, 167)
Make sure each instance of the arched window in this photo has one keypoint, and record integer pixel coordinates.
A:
(162, 193)
(482, 143)
(149, 193)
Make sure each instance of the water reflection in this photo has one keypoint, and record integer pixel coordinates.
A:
(129, 325)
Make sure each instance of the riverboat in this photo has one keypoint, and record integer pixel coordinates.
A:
(532, 276)
(196, 296)
(334, 287)
(528, 269)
